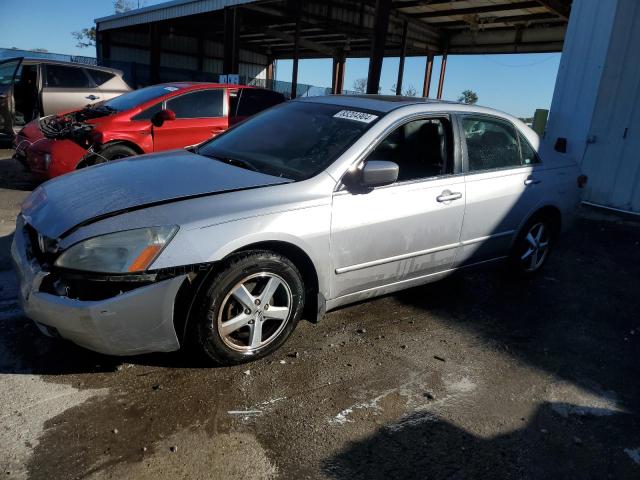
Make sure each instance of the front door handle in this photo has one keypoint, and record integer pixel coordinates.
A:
(448, 196)
(531, 181)
(91, 97)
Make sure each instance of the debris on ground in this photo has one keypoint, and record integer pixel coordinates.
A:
(437, 357)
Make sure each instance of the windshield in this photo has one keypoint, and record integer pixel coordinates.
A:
(130, 100)
(295, 140)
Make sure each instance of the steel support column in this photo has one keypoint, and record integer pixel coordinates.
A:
(383, 9)
(337, 78)
(296, 54)
(269, 72)
(403, 52)
(231, 41)
(428, 71)
(154, 60)
(443, 69)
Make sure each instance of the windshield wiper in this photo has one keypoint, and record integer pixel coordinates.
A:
(236, 162)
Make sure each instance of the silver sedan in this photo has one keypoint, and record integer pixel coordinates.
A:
(309, 206)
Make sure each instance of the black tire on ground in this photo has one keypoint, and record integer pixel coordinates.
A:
(532, 246)
(111, 152)
(219, 306)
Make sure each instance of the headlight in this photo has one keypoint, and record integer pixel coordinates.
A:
(121, 252)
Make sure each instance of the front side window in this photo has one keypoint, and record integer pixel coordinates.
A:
(295, 140)
(200, 104)
(60, 76)
(149, 112)
(491, 143)
(421, 149)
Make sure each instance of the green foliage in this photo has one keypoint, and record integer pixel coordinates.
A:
(469, 97)
(85, 37)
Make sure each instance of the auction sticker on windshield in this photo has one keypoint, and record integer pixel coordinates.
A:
(357, 116)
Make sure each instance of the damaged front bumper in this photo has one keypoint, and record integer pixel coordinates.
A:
(135, 322)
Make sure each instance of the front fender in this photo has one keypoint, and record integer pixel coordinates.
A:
(306, 228)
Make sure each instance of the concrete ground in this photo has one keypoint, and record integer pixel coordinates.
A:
(477, 376)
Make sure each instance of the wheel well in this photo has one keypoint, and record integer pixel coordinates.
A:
(88, 160)
(553, 215)
(190, 290)
(298, 256)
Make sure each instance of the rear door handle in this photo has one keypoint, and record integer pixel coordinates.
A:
(531, 181)
(448, 196)
(91, 97)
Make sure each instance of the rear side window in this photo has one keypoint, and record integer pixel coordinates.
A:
(491, 143)
(529, 155)
(201, 104)
(100, 77)
(60, 76)
(254, 101)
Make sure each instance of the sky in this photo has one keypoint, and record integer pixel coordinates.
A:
(517, 84)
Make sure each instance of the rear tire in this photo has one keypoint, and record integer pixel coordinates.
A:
(532, 246)
(249, 308)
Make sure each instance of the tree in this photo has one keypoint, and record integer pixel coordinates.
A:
(87, 36)
(468, 96)
(360, 85)
(410, 91)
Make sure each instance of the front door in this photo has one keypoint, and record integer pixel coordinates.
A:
(200, 115)
(8, 70)
(502, 185)
(406, 231)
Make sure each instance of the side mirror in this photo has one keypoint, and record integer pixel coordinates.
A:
(377, 173)
(162, 116)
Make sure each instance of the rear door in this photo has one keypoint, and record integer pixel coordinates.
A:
(200, 115)
(67, 87)
(502, 186)
(8, 70)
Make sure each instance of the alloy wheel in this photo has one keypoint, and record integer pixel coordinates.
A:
(255, 312)
(536, 247)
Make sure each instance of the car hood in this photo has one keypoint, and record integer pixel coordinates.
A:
(81, 197)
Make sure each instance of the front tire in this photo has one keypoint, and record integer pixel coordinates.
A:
(249, 308)
(111, 152)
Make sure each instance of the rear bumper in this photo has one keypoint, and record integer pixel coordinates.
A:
(135, 322)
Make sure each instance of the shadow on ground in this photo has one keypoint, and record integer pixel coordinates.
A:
(422, 446)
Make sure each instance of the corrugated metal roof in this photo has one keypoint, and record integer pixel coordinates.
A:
(164, 11)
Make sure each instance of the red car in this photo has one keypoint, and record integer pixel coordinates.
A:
(160, 117)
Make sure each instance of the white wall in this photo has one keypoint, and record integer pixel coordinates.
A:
(597, 99)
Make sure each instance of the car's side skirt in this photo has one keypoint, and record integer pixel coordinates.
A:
(400, 285)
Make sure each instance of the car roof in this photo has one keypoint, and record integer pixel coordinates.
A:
(196, 85)
(387, 103)
(70, 64)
